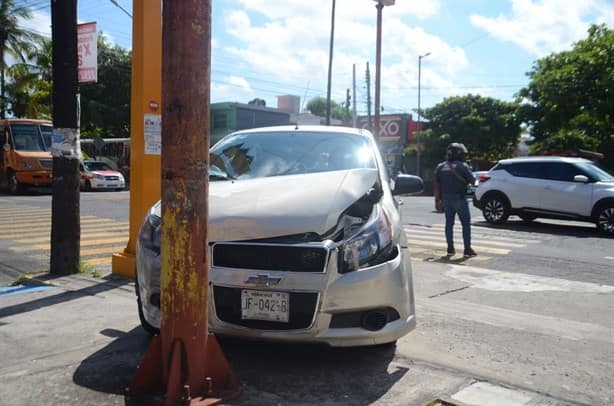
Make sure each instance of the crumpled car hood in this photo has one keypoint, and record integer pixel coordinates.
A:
(283, 205)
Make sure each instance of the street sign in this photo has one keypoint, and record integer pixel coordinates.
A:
(87, 52)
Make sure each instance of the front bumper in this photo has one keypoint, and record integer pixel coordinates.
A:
(107, 184)
(34, 178)
(348, 296)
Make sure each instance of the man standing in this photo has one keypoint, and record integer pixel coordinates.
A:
(451, 180)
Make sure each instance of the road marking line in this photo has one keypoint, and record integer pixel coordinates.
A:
(440, 237)
(98, 261)
(39, 231)
(489, 279)
(478, 248)
(440, 228)
(104, 250)
(609, 257)
(84, 220)
(84, 236)
(517, 320)
(24, 214)
(47, 247)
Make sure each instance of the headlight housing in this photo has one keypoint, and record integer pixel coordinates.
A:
(27, 165)
(150, 235)
(97, 176)
(370, 245)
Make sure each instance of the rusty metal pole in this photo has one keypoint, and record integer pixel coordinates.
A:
(193, 367)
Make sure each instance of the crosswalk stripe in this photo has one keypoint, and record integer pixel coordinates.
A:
(479, 248)
(86, 243)
(84, 236)
(24, 214)
(440, 237)
(39, 232)
(440, 229)
(104, 250)
(84, 220)
(98, 261)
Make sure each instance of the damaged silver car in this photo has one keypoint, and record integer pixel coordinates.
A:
(306, 240)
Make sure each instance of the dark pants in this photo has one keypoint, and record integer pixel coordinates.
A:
(451, 207)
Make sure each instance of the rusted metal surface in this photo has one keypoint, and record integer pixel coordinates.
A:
(190, 363)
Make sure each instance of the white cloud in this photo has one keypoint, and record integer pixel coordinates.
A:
(544, 26)
(40, 23)
(292, 48)
(230, 86)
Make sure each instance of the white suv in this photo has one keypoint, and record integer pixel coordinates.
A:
(547, 187)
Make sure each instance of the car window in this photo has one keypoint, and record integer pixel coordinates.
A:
(533, 170)
(561, 171)
(596, 173)
(26, 137)
(276, 153)
(97, 166)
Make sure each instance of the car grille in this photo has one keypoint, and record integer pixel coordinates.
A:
(46, 163)
(228, 309)
(111, 177)
(270, 257)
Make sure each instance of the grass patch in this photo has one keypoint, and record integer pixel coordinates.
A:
(28, 278)
(88, 269)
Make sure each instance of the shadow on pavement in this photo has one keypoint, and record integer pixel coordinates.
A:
(269, 373)
(586, 230)
(110, 370)
(64, 296)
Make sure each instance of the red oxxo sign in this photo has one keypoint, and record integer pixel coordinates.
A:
(87, 52)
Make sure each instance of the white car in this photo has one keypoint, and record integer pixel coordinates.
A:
(99, 175)
(306, 240)
(548, 187)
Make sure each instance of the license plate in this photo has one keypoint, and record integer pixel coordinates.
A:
(264, 305)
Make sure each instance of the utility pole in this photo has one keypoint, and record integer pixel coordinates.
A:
(185, 360)
(330, 63)
(65, 222)
(354, 96)
(368, 78)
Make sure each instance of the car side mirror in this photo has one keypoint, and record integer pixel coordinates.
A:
(407, 184)
(580, 179)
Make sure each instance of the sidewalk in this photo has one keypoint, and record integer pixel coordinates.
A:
(79, 342)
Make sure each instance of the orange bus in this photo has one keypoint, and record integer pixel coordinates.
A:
(25, 157)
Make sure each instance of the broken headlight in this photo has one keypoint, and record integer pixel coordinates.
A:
(370, 245)
(149, 235)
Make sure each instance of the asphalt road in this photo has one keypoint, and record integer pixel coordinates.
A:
(529, 321)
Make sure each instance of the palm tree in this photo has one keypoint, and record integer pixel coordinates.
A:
(30, 84)
(14, 40)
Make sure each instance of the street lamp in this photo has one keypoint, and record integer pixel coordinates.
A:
(419, 117)
(378, 59)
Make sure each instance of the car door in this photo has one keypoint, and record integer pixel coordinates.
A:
(525, 185)
(562, 194)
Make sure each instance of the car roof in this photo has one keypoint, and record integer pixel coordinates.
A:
(309, 128)
(544, 159)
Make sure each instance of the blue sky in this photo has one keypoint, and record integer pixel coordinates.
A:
(266, 48)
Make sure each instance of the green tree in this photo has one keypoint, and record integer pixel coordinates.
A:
(317, 106)
(105, 105)
(14, 41)
(569, 100)
(489, 128)
(30, 84)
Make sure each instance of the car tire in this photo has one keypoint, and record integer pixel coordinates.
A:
(496, 209)
(604, 219)
(14, 186)
(527, 218)
(88, 186)
(144, 323)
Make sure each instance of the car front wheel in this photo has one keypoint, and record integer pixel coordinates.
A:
(496, 209)
(605, 219)
(144, 323)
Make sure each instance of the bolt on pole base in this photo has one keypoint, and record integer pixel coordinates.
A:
(148, 386)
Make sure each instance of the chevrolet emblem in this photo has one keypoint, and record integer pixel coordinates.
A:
(263, 279)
